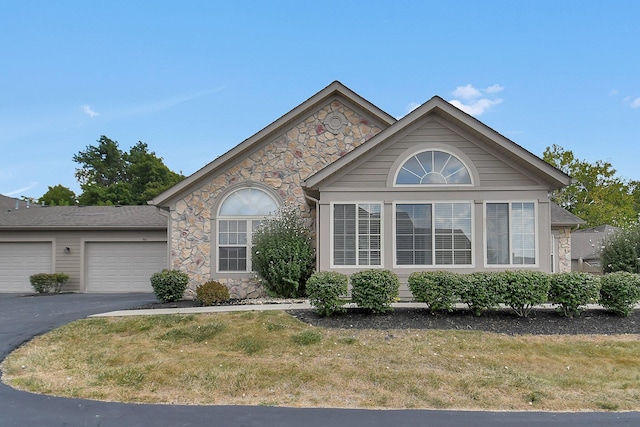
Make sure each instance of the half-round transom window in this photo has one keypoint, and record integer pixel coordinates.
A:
(433, 167)
(248, 202)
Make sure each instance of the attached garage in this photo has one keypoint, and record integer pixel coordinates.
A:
(19, 260)
(123, 266)
(101, 248)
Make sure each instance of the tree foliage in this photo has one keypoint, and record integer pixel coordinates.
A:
(109, 176)
(621, 251)
(597, 196)
(58, 195)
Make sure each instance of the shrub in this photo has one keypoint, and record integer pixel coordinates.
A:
(212, 292)
(42, 282)
(326, 291)
(169, 285)
(481, 291)
(283, 254)
(620, 292)
(524, 289)
(621, 250)
(572, 291)
(374, 290)
(59, 279)
(438, 289)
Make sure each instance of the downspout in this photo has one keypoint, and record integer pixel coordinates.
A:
(316, 202)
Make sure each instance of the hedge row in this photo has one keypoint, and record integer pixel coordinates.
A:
(45, 282)
(375, 290)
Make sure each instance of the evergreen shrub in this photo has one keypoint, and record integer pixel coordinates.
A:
(212, 292)
(482, 291)
(440, 290)
(524, 289)
(572, 291)
(326, 291)
(375, 290)
(169, 285)
(620, 292)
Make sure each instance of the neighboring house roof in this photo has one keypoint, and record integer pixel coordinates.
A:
(88, 217)
(509, 150)
(334, 89)
(11, 203)
(586, 244)
(561, 217)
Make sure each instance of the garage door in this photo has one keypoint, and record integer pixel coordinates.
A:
(123, 266)
(18, 261)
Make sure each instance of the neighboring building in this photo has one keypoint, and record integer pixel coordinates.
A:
(586, 246)
(101, 248)
(436, 189)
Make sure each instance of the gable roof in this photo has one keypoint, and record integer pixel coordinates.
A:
(561, 217)
(436, 105)
(87, 217)
(587, 243)
(334, 89)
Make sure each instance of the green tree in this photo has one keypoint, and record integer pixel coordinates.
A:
(58, 195)
(109, 176)
(597, 195)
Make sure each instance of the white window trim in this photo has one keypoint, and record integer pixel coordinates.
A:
(536, 237)
(433, 243)
(382, 251)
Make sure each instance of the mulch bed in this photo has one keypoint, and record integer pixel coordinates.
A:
(541, 321)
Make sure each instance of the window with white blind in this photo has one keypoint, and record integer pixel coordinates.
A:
(433, 234)
(239, 216)
(511, 233)
(357, 237)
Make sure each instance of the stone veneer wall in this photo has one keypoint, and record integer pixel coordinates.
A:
(281, 164)
(564, 248)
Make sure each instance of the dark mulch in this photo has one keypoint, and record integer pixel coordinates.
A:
(540, 321)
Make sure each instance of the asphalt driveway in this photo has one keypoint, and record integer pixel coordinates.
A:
(22, 317)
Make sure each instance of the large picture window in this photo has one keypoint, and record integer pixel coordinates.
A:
(433, 234)
(357, 234)
(511, 233)
(239, 216)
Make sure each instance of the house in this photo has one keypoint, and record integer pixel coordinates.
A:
(101, 248)
(586, 246)
(436, 189)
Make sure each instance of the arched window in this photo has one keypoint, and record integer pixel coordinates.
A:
(433, 168)
(239, 216)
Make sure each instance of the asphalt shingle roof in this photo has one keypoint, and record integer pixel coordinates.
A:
(75, 217)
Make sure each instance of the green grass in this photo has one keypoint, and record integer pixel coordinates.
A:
(272, 359)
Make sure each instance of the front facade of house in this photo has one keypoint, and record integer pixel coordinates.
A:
(436, 189)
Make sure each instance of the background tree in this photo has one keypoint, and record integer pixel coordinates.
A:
(598, 196)
(58, 195)
(109, 176)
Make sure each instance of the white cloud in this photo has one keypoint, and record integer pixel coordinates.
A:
(613, 92)
(88, 111)
(467, 92)
(476, 101)
(20, 191)
(635, 103)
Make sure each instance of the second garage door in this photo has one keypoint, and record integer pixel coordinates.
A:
(19, 260)
(123, 266)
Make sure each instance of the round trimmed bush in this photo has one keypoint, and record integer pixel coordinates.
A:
(573, 290)
(375, 290)
(42, 282)
(438, 289)
(169, 285)
(212, 292)
(481, 291)
(524, 289)
(326, 291)
(620, 292)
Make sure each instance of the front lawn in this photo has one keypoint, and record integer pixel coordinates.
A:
(271, 358)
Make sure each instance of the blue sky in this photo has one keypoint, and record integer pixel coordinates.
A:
(194, 78)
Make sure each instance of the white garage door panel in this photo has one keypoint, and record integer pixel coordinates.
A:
(18, 261)
(123, 266)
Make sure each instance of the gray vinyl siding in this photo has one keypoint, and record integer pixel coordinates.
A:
(492, 170)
